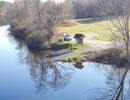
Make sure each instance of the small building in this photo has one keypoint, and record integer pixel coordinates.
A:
(79, 38)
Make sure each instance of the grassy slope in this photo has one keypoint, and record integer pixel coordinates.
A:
(89, 25)
(104, 37)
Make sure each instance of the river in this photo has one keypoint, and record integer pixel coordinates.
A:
(26, 76)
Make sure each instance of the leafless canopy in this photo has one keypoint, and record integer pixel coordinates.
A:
(37, 17)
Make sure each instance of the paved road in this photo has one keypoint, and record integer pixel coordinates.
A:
(95, 45)
(94, 48)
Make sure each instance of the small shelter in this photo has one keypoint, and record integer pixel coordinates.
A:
(79, 38)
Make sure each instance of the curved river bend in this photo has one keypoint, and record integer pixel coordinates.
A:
(25, 76)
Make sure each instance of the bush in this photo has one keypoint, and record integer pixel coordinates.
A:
(110, 56)
(18, 31)
(37, 43)
(60, 46)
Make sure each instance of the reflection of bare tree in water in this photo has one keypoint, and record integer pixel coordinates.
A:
(118, 80)
(44, 73)
(47, 74)
(20, 45)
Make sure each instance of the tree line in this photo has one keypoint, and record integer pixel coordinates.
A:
(96, 8)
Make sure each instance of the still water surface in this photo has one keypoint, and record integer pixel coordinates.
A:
(25, 76)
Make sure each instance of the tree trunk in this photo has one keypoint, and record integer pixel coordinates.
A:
(127, 50)
(120, 87)
(17, 10)
(127, 35)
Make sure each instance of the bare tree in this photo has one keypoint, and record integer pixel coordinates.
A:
(39, 19)
(17, 9)
(117, 82)
(117, 12)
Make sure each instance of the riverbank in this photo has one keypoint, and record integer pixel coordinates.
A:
(95, 49)
(110, 56)
(96, 53)
(94, 32)
(34, 71)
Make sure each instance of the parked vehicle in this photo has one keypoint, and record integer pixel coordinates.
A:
(67, 38)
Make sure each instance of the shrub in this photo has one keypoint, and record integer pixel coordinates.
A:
(57, 46)
(18, 31)
(37, 43)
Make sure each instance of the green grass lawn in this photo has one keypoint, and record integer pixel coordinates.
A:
(78, 47)
(76, 56)
(86, 26)
(104, 37)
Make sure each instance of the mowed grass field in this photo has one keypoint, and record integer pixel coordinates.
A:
(104, 37)
(86, 26)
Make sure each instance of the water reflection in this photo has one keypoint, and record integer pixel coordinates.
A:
(117, 84)
(45, 73)
(48, 74)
